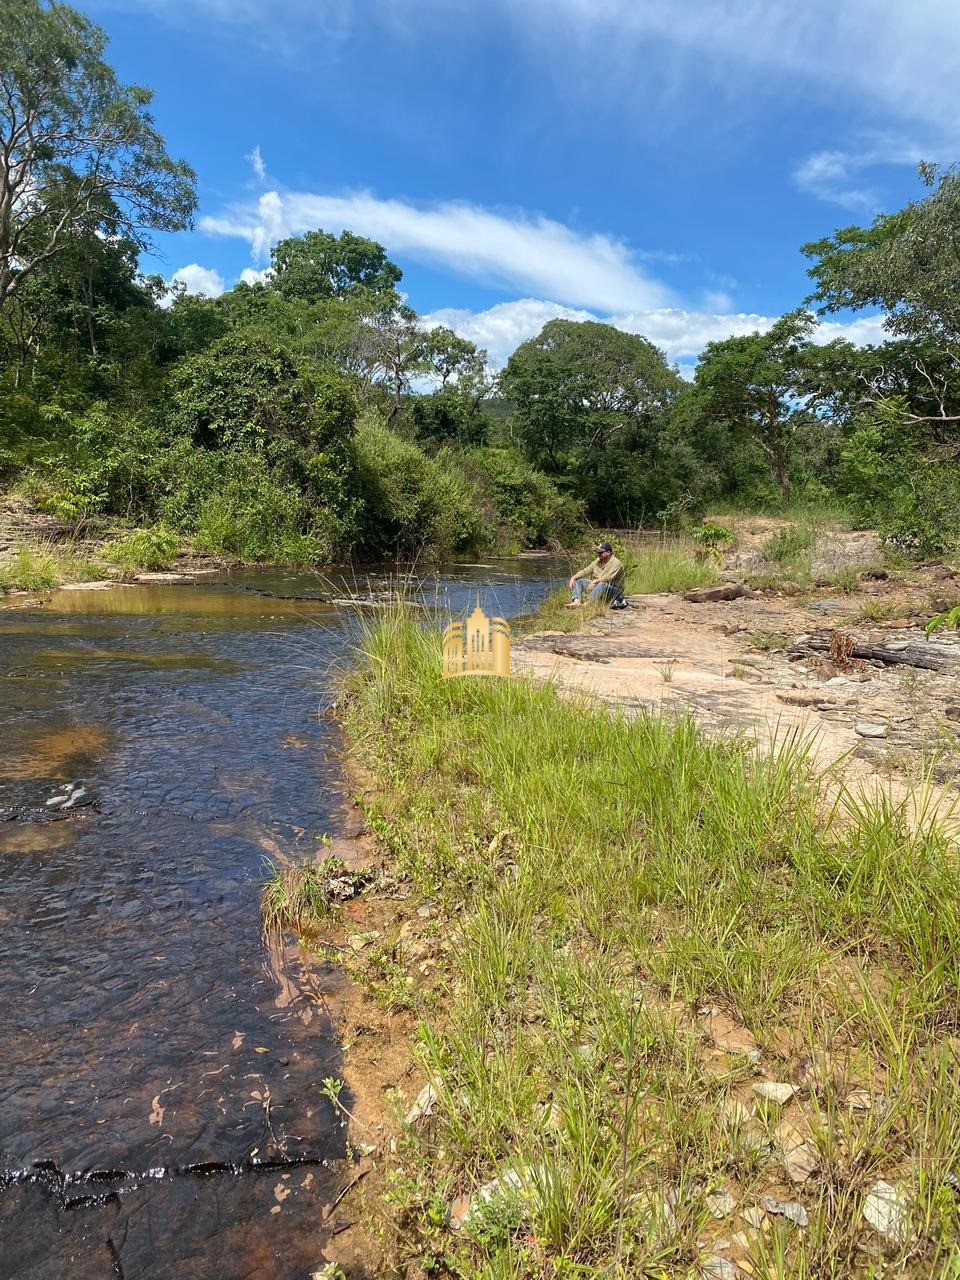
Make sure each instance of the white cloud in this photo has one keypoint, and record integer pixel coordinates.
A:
(516, 250)
(831, 176)
(680, 334)
(836, 175)
(196, 279)
(251, 277)
(257, 164)
(904, 57)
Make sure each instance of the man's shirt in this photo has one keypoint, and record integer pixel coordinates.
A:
(613, 571)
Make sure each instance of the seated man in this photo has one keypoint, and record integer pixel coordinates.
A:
(603, 578)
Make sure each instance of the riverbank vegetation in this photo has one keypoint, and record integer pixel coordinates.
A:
(689, 991)
(309, 414)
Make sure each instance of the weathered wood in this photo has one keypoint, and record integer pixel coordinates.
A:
(893, 653)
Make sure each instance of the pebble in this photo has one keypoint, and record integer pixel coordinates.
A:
(887, 1211)
(721, 1204)
(775, 1092)
(866, 730)
(426, 1100)
(717, 1268)
(792, 1210)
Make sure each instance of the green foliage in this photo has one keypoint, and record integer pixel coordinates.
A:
(591, 403)
(715, 874)
(911, 496)
(242, 390)
(413, 504)
(752, 384)
(319, 265)
(150, 548)
(34, 568)
(788, 543)
(906, 263)
(78, 150)
(949, 618)
(301, 896)
(518, 502)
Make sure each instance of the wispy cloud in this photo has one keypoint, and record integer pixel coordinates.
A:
(837, 176)
(257, 164)
(903, 57)
(513, 250)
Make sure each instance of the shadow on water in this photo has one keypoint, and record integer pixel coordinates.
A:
(161, 1107)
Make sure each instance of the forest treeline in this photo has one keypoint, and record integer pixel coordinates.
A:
(314, 415)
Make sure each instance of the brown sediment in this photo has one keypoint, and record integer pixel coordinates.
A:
(54, 753)
(35, 837)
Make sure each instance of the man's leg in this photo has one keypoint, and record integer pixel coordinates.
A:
(603, 592)
(578, 589)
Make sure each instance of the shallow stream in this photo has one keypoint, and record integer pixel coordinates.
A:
(161, 1113)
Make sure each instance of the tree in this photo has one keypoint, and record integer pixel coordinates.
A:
(580, 387)
(246, 391)
(450, 357)
(319, 265)
(907, 263)
(79, 153)
(395, 345)
(590, 404)
(755, 385)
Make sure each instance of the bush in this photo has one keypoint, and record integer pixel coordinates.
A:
(152, 548)
(412, 504)
(520, 504)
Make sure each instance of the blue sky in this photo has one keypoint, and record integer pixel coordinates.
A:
(656, 163)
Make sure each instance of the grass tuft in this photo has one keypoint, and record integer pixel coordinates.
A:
(45, 565)
(300, 898)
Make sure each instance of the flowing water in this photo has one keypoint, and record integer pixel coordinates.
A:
(161, 1113)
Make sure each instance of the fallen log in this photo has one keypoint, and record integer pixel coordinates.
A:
(713, 595)
(857, 648)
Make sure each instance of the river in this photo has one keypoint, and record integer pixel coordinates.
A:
(161, 1112)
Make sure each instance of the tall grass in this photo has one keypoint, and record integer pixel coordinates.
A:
(45, 565)
(666, 564)
(609, 881)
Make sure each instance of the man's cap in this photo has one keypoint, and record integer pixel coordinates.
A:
(604, 546)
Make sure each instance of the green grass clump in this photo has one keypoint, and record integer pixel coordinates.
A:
(34, 568)
(605, 880)
(787, 544)
(151, 549)
(883, 608)
(666, 564)
(301, 897)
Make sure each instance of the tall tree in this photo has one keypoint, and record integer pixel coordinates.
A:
(580, 387)
(78, 150)
(907, 263)
(319, 265)
(755, 384)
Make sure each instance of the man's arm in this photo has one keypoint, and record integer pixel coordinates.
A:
(585, 573)
(610, 571)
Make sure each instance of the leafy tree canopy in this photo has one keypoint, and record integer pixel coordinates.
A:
(580, 387)
(755, 383)
(78, 150)
(320, 265)
(906, 262)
